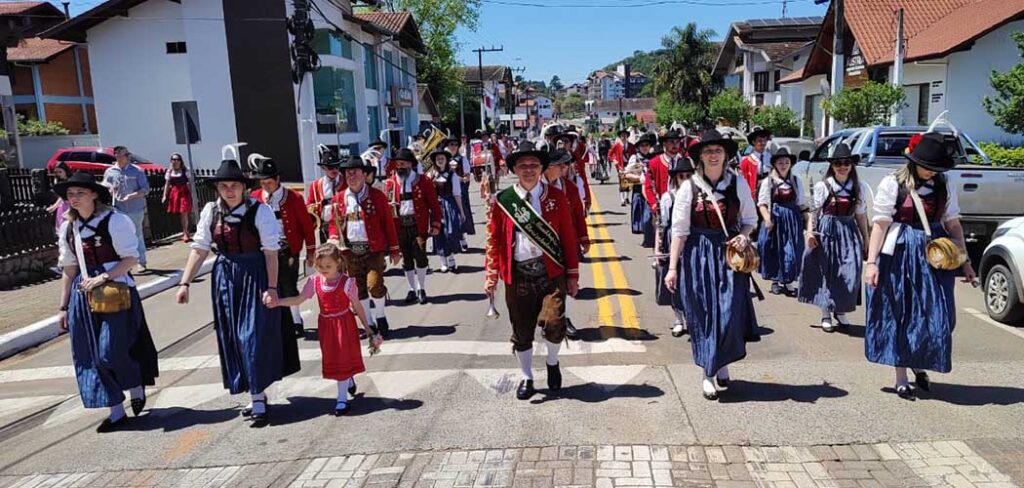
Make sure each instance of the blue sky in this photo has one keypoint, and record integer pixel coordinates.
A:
(571, 42)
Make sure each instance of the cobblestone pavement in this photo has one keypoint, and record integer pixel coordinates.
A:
(913, 464)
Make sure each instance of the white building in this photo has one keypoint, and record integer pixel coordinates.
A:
(610, 85)
(490, 88)
(951, 50)
(235, 78)
(544, 107)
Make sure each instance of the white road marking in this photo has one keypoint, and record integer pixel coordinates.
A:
(400, 384)
(982, 316)
(608, 378)
(11, 407)
(470, 348)
(500, 381)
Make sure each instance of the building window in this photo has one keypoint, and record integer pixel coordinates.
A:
(389, 70)
(924, 100)
(761, 81)
(370, 67)
(373, 120)
(176, 48)
(778, 76)
(335, 98)
(759, 100)
(330, 43)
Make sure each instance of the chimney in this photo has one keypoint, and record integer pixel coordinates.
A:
(67, 9)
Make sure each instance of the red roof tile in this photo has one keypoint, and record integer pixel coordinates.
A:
(793, 77)
(37, 50)
(17, 8)
(390, 21)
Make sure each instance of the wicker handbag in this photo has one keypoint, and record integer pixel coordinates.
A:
(942, 253)
(110, 297)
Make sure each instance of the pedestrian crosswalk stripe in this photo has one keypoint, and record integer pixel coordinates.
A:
(401, 348)
(11, 408)
(608, 378)
(499, 381)
(399, 384)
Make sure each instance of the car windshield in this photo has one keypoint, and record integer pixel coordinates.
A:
(895, 145)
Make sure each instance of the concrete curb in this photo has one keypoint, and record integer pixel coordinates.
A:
(47, 329)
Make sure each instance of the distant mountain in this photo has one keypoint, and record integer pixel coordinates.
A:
(642, 61)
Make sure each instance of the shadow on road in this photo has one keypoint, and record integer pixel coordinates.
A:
(602, 241)
(456, 297)
(594, 293)
(302, 408)
(603, 333)
(177, 418)
(596, 393)
(741, 391)
(420, 331)
(607, 212)
(606, 224)
(608, 259)
(968, 395)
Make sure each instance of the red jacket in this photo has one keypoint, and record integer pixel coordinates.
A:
(498, 258)
(656, 183)
(579, 214)
(749, 169)
(315, 193)
(376, 212)
(424, 202)
(581, 170)
(298, 225)
(620, 155)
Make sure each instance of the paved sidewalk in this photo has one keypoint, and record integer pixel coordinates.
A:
(26, 305)
(917, 464)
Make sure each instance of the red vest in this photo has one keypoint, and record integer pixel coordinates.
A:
(315, 193)
(298, 225)
(376, 213)
(99, 248)
(424, 202)
(656, 182)
(579, 214)
(501, 234)
(240, 237)
(749, 169)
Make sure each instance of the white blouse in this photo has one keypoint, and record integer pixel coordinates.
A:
(523, 249)
(266, 225)
(821, 194)
(764, 194)
(122, 236)
(355, 230)
(684, 204)
(406, 206)
(888, 191)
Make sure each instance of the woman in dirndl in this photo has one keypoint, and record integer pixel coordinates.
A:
(837, 229)
(112, 351)
(177, 195)
(716, 300)
(255, 349)
(448, 242)
(910, 308)
(678, 175)
(781, 203)
(641, 220)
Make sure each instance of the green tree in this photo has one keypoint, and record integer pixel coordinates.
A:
(685, 73)
(33, 127)
(731, 106)
(669, 111)
(1007, 107)
(572, 104)
(440, 70)
(782, 121)
(556, 83)
(870, 104)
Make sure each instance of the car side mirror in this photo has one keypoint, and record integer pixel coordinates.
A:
(804, 155)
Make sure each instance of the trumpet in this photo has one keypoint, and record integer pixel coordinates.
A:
(492, 311)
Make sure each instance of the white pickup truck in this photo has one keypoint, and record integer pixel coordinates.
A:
(988, 195)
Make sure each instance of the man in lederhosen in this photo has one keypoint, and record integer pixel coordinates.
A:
(363, 227)
(323, 189)
(532, 247)
(558, 176)
(296, 229)
(619, 155)
(417, 216)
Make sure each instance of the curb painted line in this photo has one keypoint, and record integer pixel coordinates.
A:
(48, 329)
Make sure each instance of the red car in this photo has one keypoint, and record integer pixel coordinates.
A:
(95, 159)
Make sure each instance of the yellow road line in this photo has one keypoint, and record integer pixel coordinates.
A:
(627, 308)
(605, 314)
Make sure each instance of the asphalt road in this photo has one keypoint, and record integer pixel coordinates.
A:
(446, 379)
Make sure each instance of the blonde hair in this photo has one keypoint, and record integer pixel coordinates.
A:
(326, 251)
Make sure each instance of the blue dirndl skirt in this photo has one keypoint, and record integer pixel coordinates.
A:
(911, 314)
(249, 335)
(449, 240)
(831, 276)
(662, 295)
(639, 212)
(716, 302)
(467, 227)
(111, 352)
(782, 248)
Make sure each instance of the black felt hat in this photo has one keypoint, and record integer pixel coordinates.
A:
(933, 153)
(527, 149)
(782, 153)
(560, 156)
(229, 170)
(672, 135)
(712, 138)
(437, 152)
(82, 179)
(377, 142)
(758, 132)
(405, 154)
(842, 151)
(648, 138)
(329, 158)
(682, 165)
(265, 168)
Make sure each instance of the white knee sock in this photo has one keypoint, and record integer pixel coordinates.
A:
(410, 276)
(553, 349)
(568, 304)
(421, 277)
(901, 377)
(343, 389)
(259, 406)
(680, 317)
(296, 315)
(137, 393)
(117, 412)
(378, 304)
(526, 363)
(825, 314)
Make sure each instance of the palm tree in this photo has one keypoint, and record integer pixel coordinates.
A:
(685, 73)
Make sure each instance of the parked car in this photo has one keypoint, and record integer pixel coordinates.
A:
(794, 145)
(95, 159)
(1001, 273)
(988, 195)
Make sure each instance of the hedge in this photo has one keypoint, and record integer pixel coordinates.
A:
(1004, 156)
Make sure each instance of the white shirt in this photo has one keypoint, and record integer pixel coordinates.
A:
(821, 194)
(356, 229)
(266, 225)
(122, 236)
(523, 249)
(888, 191)
(766, 165)
(579, 188)
(274, 201)
(684, 205)
(328, 185)
(764, 194)
(406, 206)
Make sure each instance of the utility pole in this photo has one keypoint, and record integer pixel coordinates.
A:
(837, 57)
(897, 67)
(785, 8)
(514, 99)
(480, 64)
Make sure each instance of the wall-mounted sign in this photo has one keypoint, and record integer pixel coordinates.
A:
(401, 96)
(855, 63)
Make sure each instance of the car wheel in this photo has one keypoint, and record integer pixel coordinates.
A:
(1001, 300)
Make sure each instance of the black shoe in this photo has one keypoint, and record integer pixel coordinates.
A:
(111, 426)
(905, 392)
(341, 408)
(776, 289)
(678, 330)
(554, 378)
(138, 404)
(789, 292)
(723, 383)
(465, 247)
(570, 330)
(352, 388)
(300, 331)
(525, 390)
(260, 420)
(921, 379)
(422, 295)
(410, 297)
(382, 327)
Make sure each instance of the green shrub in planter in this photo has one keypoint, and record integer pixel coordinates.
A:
(1012, 157)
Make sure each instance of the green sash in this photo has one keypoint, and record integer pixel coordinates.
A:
(530, 223)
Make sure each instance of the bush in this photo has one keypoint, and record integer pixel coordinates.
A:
(668, 111)
(1010, 157)
(33, 127)
(865, 106)
(780, 120)
(731, 106)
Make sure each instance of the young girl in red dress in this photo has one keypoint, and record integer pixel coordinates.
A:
(177, 195)
(338, 298)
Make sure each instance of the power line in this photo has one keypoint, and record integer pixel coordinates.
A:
(652, 3)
